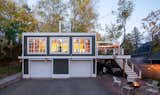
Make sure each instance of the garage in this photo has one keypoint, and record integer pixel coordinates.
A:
(40, 69)
(80, 68)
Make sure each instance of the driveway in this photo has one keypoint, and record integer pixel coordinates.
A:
(77, 86)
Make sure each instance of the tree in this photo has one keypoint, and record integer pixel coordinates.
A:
(50, 13)
(136, 38)
(113, 32)
(83, 15)
(151, 24)
(156, 43)
(125, 9)
(129, 47)
(15, 20)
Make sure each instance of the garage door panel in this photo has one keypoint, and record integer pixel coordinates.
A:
(80, 68)
(41, 69)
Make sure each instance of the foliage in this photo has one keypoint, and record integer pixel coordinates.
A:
(15, 20)
(9, 70)
(125, 9)
(151, 24)
(113, 32)
(136, 38)
(83, 15)
(128, 45)
(156, 43)
(51, 12)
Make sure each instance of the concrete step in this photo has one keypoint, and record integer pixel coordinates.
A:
(132, 76)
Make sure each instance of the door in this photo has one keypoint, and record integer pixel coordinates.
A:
(80, 68)
(40, 69)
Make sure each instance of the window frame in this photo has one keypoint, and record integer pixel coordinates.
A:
(50, 44)
(90, 39)
(45, 42)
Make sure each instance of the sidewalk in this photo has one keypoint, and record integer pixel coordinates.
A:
(9, 80)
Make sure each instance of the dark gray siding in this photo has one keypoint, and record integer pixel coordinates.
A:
(48, 44)
(25, 66)
(60, 66)
(94, 66)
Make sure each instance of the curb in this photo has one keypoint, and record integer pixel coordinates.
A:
(10, 80)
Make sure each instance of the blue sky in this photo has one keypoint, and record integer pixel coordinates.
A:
(141, 9)
(104, 8)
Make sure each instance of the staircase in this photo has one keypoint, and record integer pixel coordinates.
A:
(129, 70)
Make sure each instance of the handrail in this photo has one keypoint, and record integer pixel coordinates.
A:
(110, 51)
(135, 68)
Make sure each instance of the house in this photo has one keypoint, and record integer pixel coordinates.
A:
(58, 55)
(67, 55)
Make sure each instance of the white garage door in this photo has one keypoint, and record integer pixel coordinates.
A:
(40, 69)
(80, 68)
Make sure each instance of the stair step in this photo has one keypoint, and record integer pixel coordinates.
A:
(129, 72)
(133, 75)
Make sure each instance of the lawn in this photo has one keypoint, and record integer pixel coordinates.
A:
(10, 69)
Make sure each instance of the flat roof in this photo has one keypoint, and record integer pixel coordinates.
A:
(57, 33)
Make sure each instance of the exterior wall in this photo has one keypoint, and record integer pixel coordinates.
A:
(48, 47)
(26, 66)
(60, 66)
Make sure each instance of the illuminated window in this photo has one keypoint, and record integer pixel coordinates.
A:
(36, 45)
(59, 45)
(82, 45)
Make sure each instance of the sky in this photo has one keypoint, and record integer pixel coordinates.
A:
(141, 9)
(104, 8)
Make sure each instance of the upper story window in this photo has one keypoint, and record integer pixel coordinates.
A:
(59, 45)
(36, 45)
(81, 45)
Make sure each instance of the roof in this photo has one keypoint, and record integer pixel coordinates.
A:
(155, 56)
(57, 33)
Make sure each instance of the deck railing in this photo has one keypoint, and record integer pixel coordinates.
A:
(110, 51)
(135, 68)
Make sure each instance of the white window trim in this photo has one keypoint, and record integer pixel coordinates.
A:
(36, 52)
(51, 38)
(90, 39)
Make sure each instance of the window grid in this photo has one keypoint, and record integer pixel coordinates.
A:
(81, 45)
(59, 45)
(36, 45)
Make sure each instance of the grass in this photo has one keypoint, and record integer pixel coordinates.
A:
(9, 70)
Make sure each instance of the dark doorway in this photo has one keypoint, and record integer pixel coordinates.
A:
(108, 66)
